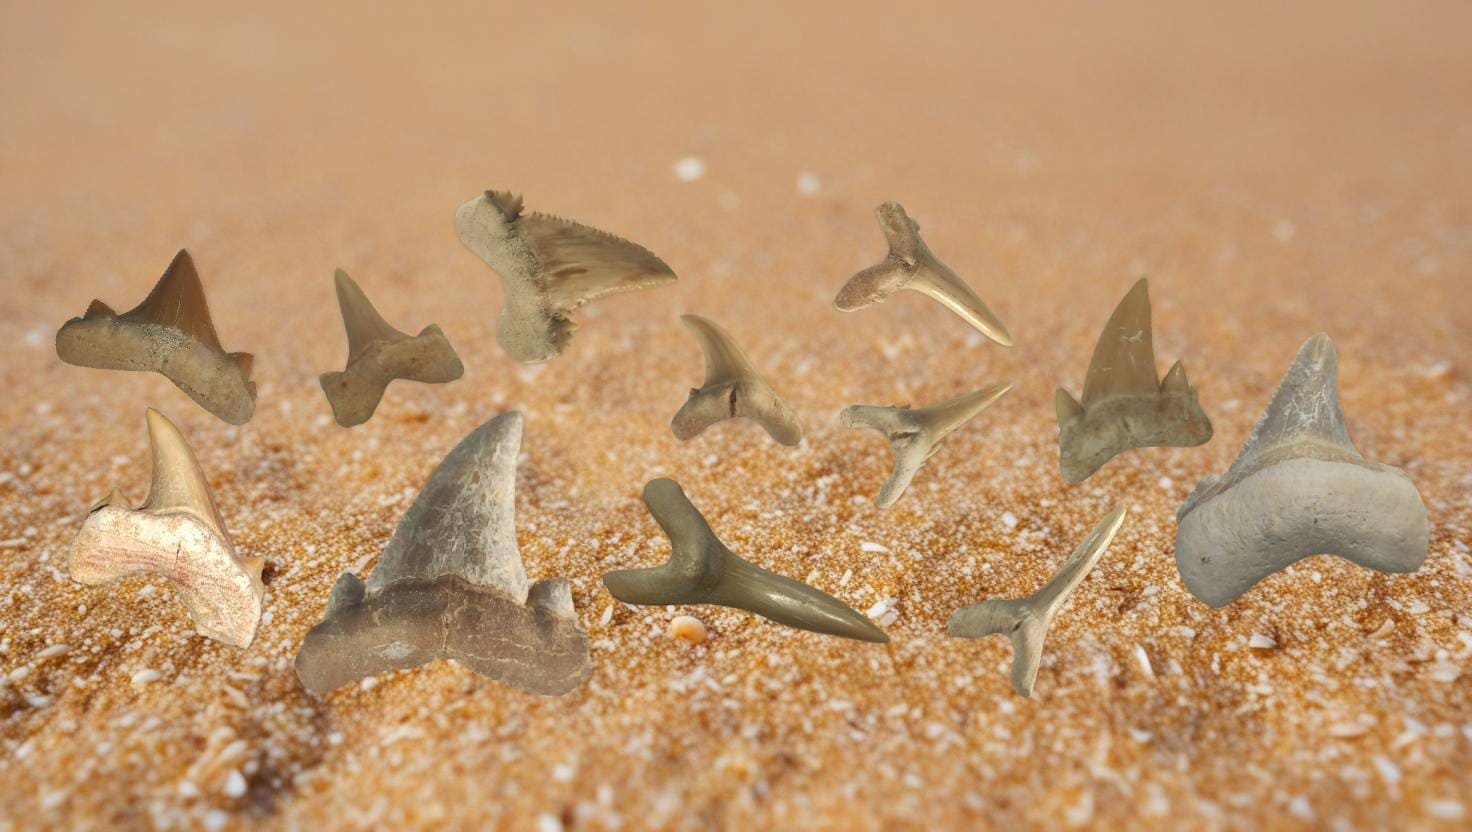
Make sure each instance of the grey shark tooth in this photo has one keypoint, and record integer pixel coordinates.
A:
(451, 585)
(701, 570)
(916, 434)
(378, 353)
(169, 333)
(911, 265)
(732, 389)
(177, 533)
(1026, 620)
(1298, 488)
(549, 267)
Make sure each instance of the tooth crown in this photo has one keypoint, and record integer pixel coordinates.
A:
(732, 389)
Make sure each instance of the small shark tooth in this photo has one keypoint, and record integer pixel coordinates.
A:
(911, 265)
(451, 585)
(549, 267)
(378, 354)
(1026, 620)
(701, 570)
(916, 434)
(169, 333)
(732, 389)
(1125, 404)
(176, 533)
(1298, 488)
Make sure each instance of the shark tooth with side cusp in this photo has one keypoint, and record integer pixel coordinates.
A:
(1298, 488)
(911, 265)
(1025, 621)
(451, 585)
(176, 533)
(732, 389)
(378, 354)
(916, 434)
(549, 267)
(701, 570)
(169, 333)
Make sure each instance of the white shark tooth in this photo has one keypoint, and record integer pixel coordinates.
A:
(549, 267)
(169, 333)
(911, 265)
(916, 434)
(732, 389)
(1298, 488)
(176, 533)
(1026, 620)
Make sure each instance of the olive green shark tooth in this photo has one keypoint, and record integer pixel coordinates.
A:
(732, 389)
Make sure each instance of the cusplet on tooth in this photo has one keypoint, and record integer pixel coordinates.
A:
(732, 389)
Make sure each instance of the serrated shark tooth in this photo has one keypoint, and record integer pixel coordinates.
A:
(1298, 488)
(732, 389)
(701, 570)
(1026, 620)
(169, 333)
(176, 533)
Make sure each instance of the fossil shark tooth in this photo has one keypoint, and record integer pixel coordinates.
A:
(176, 533)
(169, 333)
(916, 434)
(451, 585)
(378, 354)
(1298, 488)
(701, 570)
(732, 389)
(549, 267)
(1026, 620)
(911, 265)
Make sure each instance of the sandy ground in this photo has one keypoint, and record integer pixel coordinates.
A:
(1274, 173)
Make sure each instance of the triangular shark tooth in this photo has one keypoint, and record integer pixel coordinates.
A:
(176, 533)
(549, 267)
(1298, 488)
(1026, 620)
(732, 389)
(378, 353)
(1125, 405)
(451, 585)
(916, 434)
(701, 570)
(911, 265)
(169, 333)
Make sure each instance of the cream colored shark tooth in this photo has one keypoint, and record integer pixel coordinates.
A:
(911, 265)
(1125, 404)
(732, 389)
(169, 333)
(701, 570)
(451, 585)
(176, 533)
(378, 354)
(1298, 488)
(1026, 620)
(916, 434)
(549, 267)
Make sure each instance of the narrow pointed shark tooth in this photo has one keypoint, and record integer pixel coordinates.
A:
(169, 333)
(1298, 488)
(451, 585)
(916, 434)
(732, 389)
(1026, 620)
(549, 267)
(911, 265)
(177, 533)
(378, 353)
(701, 570)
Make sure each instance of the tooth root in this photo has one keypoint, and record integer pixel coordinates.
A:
(1124, 358)
(178, 482)
(98, 309)
(1067, 406)
(732, 389)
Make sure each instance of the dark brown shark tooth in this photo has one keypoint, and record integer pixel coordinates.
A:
(732, 389)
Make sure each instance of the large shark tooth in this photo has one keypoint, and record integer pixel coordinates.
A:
(1125, 404)
(176, 533)
(1026, 620)
(450, 585)
(732, 389)
(911, 265)
(917, 434)
(1298, 488)
(701, 570)
(378, 354)
(549, 267)
(169, 333)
